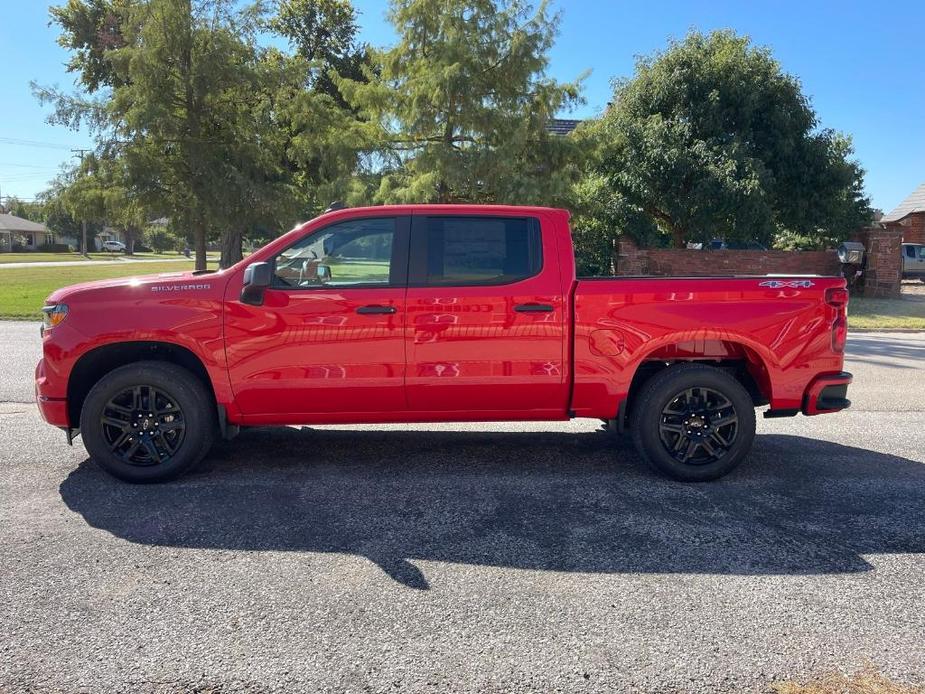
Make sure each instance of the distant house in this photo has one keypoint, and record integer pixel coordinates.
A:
(909, 217)
(17, 233)
(561, 126)
(110, 234)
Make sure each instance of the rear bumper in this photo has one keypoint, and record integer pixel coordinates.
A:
(53, 410)
(827, 394)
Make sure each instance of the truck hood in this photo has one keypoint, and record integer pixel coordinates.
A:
(142, 284)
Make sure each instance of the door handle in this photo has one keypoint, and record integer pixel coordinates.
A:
(533, 308)
(376, 309)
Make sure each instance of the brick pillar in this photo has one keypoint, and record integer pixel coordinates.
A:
(630, 259)
(883, 273)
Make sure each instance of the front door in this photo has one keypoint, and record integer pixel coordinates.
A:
(486, 319)
(914, 260)
(329, 335)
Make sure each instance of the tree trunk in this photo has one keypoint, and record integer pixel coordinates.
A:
(83, 237)
(129, 240)
(678, 234)
(199, 239)
(231, 248)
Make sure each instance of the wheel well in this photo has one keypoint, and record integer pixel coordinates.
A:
(743, 370)
(95, 364)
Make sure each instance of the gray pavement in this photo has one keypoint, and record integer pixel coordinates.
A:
(502, 557)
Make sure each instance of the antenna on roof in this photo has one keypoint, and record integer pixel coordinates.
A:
(336, 205)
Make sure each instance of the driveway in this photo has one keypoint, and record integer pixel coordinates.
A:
(502, 557)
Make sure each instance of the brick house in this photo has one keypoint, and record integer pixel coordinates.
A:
(909, 217)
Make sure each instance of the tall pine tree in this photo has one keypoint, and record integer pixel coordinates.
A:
(459, 107)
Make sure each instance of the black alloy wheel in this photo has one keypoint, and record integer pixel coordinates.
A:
(699, 426)
(149, 421)
(143, 425)
(692, 422)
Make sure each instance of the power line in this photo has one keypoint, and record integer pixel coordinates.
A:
(32, 143)
(42, 167)
(22, 179)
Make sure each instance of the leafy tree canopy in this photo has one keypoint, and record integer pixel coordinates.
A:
(458, 108)
(89, 29)
(710, 139)
(212, 128)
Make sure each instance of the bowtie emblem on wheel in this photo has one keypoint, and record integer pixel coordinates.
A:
(788, 284)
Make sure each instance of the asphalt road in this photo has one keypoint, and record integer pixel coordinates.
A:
(491, 558)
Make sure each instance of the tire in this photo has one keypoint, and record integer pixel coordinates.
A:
(682, 417)
(126, 442)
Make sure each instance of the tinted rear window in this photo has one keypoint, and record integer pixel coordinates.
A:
(481, 250)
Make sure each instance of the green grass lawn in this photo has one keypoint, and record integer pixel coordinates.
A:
(885, 314)
(23, 290)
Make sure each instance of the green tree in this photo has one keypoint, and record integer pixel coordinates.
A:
(173, 96)
(323, 34)
(82, 195)
(89, 30)
(160, 238)
(710, 138)
(216, 132)
(322, 137)
(458, 108)
(33, 211)
(56, 215)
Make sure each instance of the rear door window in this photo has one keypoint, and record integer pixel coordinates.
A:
(474, 250)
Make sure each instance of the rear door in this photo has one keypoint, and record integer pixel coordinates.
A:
(486, 318)
(330, 335)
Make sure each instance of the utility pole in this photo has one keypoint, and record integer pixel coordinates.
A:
(83, 222)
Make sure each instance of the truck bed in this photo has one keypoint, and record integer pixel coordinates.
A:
(778, 324)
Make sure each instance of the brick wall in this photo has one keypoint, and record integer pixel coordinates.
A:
(883, 274)
(673, 262)
(912, 227)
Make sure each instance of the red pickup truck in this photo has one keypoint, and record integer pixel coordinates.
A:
(426, 313)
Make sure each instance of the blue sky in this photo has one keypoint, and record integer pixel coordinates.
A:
(862, 63)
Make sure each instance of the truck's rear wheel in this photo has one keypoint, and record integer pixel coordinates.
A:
(693, 422)
(148, 422)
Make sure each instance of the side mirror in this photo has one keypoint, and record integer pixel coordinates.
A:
(257, 278)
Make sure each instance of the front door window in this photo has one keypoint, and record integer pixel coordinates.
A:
(356, 253)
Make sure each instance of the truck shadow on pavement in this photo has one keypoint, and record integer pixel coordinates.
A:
(549, 501)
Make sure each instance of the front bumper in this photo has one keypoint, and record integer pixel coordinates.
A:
(827, 394)
(53, 410)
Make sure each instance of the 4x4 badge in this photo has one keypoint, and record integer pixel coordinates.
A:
(789, 284)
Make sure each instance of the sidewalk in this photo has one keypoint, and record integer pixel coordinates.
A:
(93, 263)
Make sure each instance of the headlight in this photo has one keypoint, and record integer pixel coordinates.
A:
(53, 315)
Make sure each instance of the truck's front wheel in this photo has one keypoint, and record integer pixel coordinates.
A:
(148, 421)
(693, 422)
